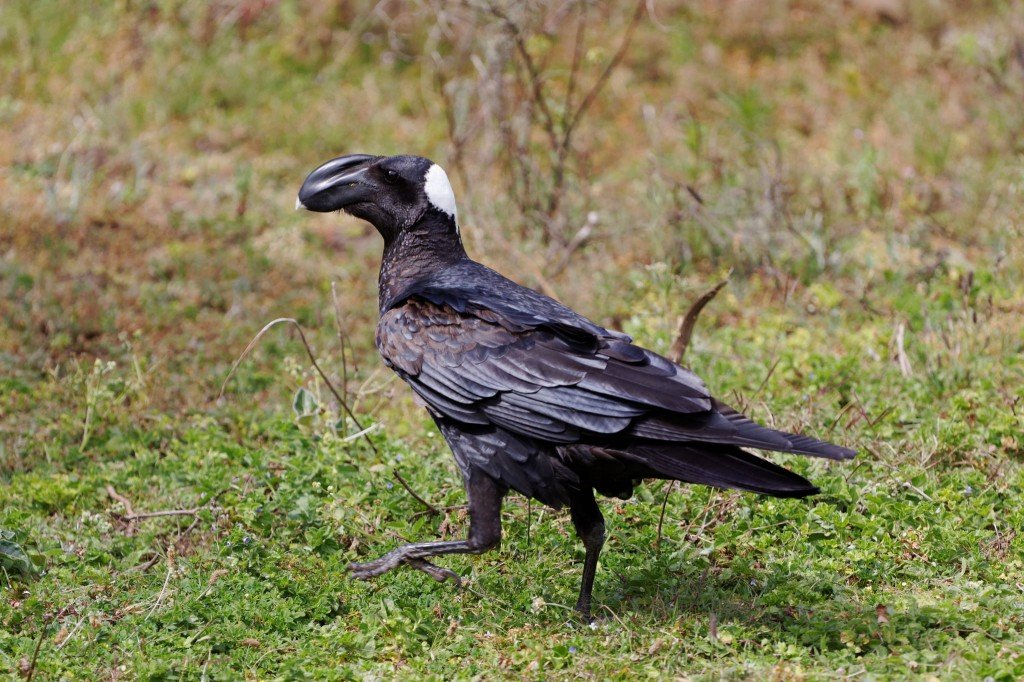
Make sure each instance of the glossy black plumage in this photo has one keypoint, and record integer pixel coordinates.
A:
(530, 395)
(479, 349)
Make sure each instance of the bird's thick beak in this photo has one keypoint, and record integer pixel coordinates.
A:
(336, 184)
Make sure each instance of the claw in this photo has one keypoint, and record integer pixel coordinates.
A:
(363, 571)
(436, 572)
(372, 569)
(584, 615)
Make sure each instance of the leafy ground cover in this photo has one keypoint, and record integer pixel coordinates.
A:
(857, 169)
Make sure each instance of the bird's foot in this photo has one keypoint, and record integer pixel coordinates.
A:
(583, 611)
(438, 573)
(393, 559)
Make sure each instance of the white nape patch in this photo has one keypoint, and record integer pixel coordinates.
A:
(439, 191)
(299, 204)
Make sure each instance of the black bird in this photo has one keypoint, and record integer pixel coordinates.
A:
(530, 395)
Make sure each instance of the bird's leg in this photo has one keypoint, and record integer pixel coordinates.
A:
(484, 496)
(586, 516)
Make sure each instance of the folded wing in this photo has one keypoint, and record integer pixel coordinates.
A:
(560, 382)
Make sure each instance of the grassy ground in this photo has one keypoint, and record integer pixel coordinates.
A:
(858, 170)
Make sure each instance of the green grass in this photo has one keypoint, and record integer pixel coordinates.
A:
(921, 529)
(861, 179)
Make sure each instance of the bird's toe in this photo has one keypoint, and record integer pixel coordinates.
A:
(436, 572)
(366, 571)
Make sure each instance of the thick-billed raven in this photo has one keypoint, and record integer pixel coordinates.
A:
(530, 395)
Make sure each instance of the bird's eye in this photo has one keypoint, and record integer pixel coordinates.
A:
(390, 175)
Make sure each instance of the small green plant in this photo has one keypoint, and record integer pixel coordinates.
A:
(99, 391)
(13, 558)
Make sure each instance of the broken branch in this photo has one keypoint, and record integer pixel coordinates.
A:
(689, 321)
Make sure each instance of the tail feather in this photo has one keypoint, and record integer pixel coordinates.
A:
(798, 444)
(726, 426)
(721, 466)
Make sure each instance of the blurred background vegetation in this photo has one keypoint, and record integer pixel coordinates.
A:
(857, 166)
(151, 151)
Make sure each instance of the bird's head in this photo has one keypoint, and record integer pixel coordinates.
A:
(393, 193)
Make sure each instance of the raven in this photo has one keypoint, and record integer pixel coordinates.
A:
(530, 395)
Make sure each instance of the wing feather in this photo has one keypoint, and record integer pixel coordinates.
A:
(559, 383)
(440, 403)
(529, 423)
(588, 421)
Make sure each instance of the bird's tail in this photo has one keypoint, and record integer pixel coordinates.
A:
(726, 426)
(721, 466)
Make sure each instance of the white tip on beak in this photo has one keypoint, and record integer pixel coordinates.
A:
(299, 204)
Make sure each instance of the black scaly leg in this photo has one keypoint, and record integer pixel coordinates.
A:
(586, 516)
(485, 497)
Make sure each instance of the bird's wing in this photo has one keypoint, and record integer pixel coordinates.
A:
(557, 380)
(549, 381)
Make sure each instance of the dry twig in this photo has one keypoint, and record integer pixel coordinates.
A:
(689, 321)
(534, 102)
(126, 503)
(31, 670)
(661, 519)
(901, 354)
(341, 342)
(330, 387)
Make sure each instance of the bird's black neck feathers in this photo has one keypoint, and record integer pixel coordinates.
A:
(430, 245)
